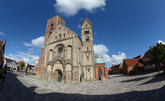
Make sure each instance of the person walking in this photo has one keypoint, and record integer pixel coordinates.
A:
(27, 67)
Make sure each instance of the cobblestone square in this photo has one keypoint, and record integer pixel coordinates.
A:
(146, 87)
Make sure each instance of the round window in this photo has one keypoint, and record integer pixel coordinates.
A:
(60, 50)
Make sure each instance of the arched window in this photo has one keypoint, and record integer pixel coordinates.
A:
(86, 32)
(87, 38)
(50, 55)
(69, 52)
(60, 36)
(64, 35)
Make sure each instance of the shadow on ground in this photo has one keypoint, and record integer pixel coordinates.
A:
(157, 78)
(14, 90)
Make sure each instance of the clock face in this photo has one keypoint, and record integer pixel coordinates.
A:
(60, 50)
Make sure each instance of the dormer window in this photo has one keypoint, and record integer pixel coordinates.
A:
(86, 32)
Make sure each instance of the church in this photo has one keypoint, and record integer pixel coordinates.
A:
(66, 57)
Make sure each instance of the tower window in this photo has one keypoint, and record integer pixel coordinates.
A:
(88, 57)
(87, 38)
(86, 32)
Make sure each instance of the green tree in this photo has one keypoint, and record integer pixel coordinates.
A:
(157, 54)
(22, 64)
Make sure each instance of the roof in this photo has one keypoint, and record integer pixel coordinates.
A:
(115, 66)
(86, 19)
(89, 22)
(131, 62)
(138, 57)
(19, 62)
(99, 61)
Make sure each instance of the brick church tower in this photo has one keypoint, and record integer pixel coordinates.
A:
(52, 24)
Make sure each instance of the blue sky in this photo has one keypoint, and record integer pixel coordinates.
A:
(122, 28)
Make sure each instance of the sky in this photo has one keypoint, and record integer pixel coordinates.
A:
(121, 28)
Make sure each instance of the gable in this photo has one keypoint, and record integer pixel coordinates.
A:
(86, 24)
(60, 33)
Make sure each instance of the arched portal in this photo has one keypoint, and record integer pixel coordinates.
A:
(58, 74)
(58, 71)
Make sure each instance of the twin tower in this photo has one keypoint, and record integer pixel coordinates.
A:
(66, 57)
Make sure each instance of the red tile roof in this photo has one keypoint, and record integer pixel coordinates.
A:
(19, 62)
(131, 62)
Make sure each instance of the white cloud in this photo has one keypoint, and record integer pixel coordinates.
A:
(101, 50)
(38, 42)
(160, 41)
(26, 57)
(72, 7)
(1, 33)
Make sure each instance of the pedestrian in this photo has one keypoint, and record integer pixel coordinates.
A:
(27, 68)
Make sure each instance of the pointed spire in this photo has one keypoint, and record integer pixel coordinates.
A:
(88, 21)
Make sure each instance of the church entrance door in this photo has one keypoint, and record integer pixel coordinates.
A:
(59, 75)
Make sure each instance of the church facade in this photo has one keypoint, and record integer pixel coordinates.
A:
(65, 57)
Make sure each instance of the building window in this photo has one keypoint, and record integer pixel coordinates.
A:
(88, 57)
(87, 48)
(88, 69)
(60, 36)
(86, 32)
(64, 35)
(87, 38)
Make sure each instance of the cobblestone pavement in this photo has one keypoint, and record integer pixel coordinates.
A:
(146, 87)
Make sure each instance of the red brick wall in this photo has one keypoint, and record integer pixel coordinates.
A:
(103, 69)
(52, 24)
